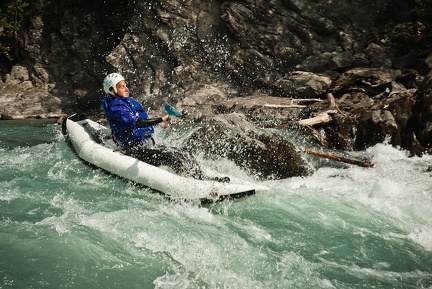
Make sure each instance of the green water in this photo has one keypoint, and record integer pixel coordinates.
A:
(64, 224)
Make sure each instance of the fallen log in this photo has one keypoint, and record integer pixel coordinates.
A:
(340, 159)
(269, 105)
(323, 117)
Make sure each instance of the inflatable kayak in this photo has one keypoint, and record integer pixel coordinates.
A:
(93, 143)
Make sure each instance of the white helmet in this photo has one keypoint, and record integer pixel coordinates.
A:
(110, 82)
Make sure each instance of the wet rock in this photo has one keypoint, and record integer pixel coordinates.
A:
(251, 67)
(340, 61)
(18, 104)
(264, 154)
(362, 118)
(19, 77)
(176, 48)
(419, 128)
(383, 116)
(301, 84)
(379, 55)
(371, 81)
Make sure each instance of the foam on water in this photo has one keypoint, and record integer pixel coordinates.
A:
(66, 224)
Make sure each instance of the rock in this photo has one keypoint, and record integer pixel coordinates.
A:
(19, 76)
(265, 155)
(5, 116)
(371, 81)
(340, 61)
(378, 56)
(374, 126)
(174, 48)
(428, 60)
(361, 120)
(202, 103)
(316, 63)
(301, 84)
(385, 115)
(355, 101)
(419, 129)
(18, 105)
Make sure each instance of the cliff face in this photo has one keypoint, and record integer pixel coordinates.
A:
(179, 46)
(220, 49)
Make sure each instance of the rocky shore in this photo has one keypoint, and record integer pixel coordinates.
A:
(346, 75)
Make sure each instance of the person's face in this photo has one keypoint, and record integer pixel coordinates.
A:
(122, 89)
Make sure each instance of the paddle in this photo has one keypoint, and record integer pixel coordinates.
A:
(340, 159)
(172, 111)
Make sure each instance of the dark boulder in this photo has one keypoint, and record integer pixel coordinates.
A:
(419, 132)
(264, 154)
(380, 104)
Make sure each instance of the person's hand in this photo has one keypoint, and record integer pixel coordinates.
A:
(166, 118)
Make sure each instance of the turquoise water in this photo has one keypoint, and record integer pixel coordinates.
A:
(64, 224)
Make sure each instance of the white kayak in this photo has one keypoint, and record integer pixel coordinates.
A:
(86, 137)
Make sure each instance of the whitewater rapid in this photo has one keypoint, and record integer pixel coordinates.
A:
(66, 224)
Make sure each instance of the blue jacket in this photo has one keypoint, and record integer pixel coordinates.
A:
(122, 115)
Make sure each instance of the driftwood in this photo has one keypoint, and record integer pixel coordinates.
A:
(293, 103)
(307, 100)
(284, 105)
(339, 159)
(323, 117)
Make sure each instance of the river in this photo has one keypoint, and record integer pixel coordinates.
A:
(65, 224)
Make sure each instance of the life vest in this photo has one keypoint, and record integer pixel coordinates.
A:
(122, 114)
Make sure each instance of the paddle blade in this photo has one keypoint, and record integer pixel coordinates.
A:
(172, 111)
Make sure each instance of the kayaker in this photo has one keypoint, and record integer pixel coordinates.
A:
(133, 130)
(130, 124)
